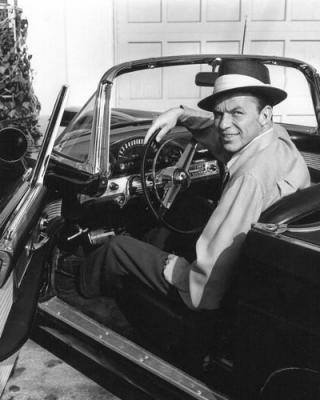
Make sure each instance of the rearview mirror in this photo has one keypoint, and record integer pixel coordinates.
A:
(206, 78)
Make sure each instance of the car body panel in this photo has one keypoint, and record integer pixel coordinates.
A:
(284, 329)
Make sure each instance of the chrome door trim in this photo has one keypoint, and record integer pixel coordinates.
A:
(144, 359)
(49, 137)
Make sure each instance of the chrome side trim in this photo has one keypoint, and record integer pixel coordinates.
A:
(126, 348)
(49, 137)
(6, 301)
(18, 224)
(14, 240)
(281, 228)
(262, 229)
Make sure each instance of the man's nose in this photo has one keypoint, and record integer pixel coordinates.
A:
(225, 121)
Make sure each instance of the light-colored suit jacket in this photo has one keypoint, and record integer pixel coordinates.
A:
(267, 169)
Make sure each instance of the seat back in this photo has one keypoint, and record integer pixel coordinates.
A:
(293, 207)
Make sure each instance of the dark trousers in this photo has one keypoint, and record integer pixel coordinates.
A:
(104, 268)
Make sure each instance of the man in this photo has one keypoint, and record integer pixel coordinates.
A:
(263, 164)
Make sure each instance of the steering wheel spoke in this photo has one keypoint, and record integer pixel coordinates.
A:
(170, 195)
(169, 181)
(187, 156)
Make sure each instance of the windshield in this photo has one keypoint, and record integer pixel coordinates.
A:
(140, 95)
(74, 141)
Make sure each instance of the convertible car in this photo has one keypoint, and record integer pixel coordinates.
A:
(93, 177)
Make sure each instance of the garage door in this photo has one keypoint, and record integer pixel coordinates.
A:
(151, 28)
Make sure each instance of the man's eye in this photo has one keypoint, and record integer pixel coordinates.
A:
(217, 114)
(237, 113)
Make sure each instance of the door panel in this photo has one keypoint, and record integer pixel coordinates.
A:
(20, 260)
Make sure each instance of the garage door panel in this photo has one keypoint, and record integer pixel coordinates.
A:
(184, 87)
(144, 49)
(221, 10)
(223, 46)
(309, 12)
(143, 11)
(141, 86)
(183, 77)
(267, 47)
(178, 47)
(191, 11)
(308, 50)
(268, 10)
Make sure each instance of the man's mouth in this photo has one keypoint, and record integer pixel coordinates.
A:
(228, 135)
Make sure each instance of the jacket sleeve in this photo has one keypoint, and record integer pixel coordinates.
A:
(194, 119)
(201, 125)
(203, 283)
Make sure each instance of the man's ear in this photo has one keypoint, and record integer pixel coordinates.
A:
(265, 116)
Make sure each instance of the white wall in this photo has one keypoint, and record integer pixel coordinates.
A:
(75, 41)
(71, 42)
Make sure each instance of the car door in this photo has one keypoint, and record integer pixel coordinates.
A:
(22, 198)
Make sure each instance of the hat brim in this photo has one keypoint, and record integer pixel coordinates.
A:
(273, 95)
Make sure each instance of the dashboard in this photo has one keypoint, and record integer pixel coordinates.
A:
(126, 157)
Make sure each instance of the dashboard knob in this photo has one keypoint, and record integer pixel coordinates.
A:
(113, 186)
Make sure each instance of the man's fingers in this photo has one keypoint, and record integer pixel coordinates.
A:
(150, 132)
(162, 132)
(165, 122)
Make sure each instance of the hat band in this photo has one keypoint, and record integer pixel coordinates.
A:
(235, 81)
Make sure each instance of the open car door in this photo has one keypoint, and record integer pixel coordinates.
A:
(22, 198)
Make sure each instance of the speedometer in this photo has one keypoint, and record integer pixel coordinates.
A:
(130, 153)
(131, 150)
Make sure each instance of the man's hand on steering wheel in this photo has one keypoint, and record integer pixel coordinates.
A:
(164, 123)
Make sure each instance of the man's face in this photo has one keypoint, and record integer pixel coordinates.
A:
(238, 121)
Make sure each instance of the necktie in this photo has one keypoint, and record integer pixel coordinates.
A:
(225, 175)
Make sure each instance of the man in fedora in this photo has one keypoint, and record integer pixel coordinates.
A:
(264, 165)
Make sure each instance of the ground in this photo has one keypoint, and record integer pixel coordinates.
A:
(39, 375)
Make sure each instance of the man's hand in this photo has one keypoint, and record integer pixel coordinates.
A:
(165, 122)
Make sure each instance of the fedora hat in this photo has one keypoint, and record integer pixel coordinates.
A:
(249, 76)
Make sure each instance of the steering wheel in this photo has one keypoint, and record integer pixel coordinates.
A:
(162, 186)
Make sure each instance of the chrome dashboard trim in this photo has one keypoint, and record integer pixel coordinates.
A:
(121, 189)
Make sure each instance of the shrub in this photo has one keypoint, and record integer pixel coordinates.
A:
(19, 105)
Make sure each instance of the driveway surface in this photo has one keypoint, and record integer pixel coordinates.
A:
(39, 375)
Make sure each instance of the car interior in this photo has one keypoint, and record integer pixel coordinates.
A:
(171, 331)
(202, 343)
